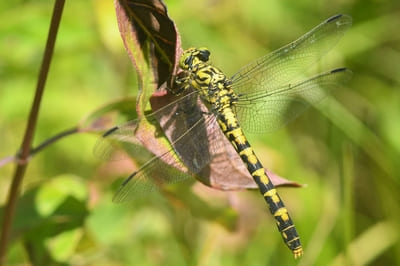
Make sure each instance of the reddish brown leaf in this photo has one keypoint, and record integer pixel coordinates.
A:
(149, 36)
(153, 44)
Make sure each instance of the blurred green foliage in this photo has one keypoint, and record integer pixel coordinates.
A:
(347, 151)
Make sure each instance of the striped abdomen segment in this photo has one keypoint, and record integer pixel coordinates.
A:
(229, 125)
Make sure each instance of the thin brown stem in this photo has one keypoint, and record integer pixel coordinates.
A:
(53, 139)
(41, 146)
(21, 165)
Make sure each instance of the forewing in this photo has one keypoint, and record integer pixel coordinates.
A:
(290, 62)
(194, 137)
(118, 142)
(167, 168)
(191, 125)
(126, 137)
(265, 111)
(155, 173)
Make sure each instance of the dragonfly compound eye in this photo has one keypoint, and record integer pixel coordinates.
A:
(204, 54)
(186, 61)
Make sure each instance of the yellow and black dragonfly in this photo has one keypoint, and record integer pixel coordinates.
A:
(212, 108)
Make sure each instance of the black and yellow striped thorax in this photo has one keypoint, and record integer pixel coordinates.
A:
(212, 84)
(215, 90)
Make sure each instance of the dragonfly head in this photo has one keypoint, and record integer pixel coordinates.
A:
(192, 57)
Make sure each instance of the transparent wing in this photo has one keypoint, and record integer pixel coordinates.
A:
(266, 111)
(118, 142)
(193, 134)
(158, 171)
(290, 62)
(124, 137)
(167, 169)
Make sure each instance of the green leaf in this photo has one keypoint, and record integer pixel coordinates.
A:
(53, 193)
(62, 246)
(47, 211)
(361, 251)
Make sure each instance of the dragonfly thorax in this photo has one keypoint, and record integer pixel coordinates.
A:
(211, 83)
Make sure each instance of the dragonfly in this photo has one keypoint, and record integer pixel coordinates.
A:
(211, 109)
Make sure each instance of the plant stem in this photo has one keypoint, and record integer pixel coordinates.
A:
(53, 139)
(22, 161)
(41, 146)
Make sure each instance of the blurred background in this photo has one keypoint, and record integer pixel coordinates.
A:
(346, 150)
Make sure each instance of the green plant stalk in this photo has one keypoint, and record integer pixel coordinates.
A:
(348, 201)
(23, 154)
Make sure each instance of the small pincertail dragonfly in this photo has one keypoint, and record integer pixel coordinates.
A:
(261, 97)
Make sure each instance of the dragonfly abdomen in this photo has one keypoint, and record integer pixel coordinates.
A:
(230, 126)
